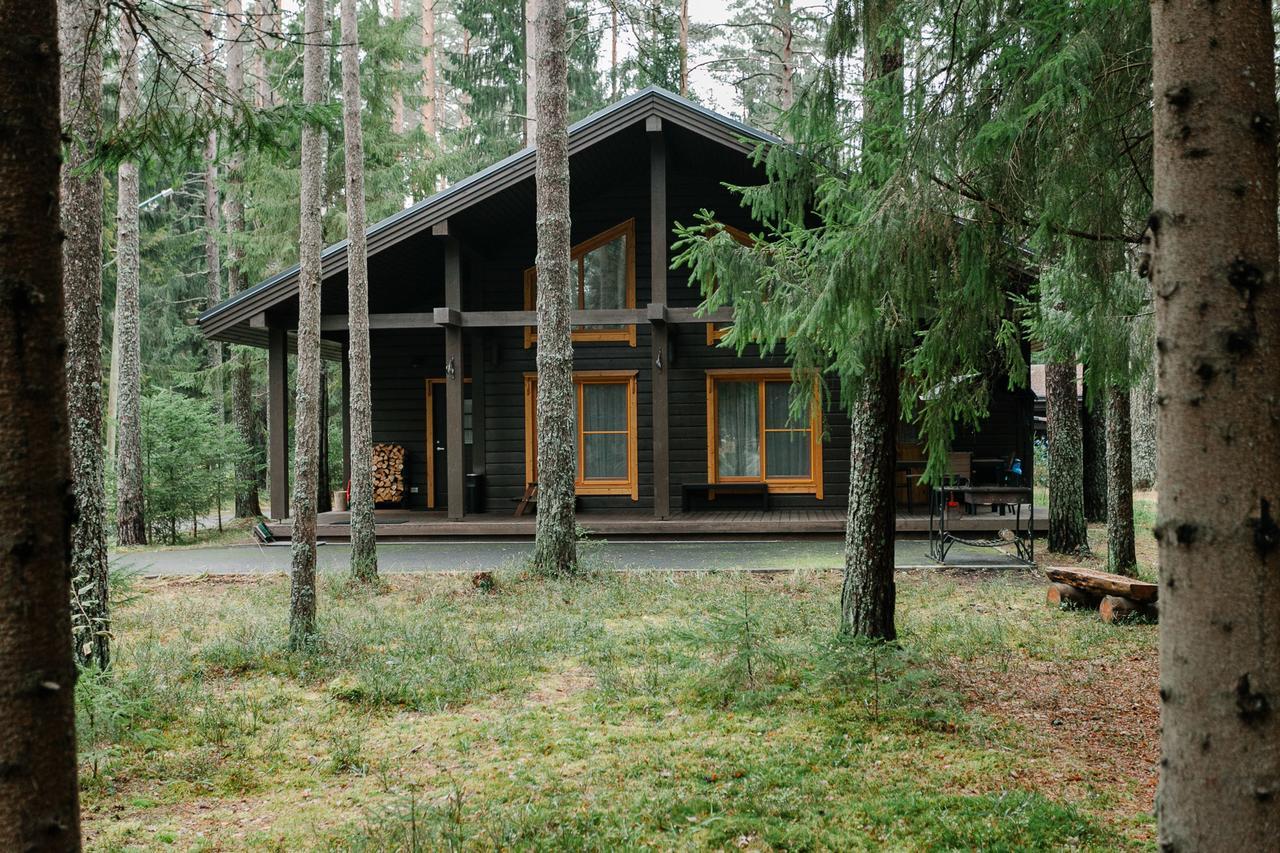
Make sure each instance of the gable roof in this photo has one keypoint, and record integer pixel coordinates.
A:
(436, 209)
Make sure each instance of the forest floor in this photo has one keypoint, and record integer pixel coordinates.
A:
(621, 710)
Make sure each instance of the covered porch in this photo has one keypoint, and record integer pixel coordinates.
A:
(399, 524)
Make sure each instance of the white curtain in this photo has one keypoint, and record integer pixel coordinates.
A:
(786, 437)
(604, 431)
(738, 429)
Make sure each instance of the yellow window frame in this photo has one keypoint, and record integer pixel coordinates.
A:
(628, 486)
(810, 485)
(625, 334)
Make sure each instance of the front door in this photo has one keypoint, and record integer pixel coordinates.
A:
(437, 444)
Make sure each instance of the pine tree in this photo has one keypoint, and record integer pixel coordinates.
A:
(1214, 269)
(1093, 437)
(555, 545)
(1068, 531)
(1121, 553)
(131, 526)
(80, 36)
(212, 227)
(306, 444)
(38, 791)
(364, 554)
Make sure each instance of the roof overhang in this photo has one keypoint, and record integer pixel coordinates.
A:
(230, 320)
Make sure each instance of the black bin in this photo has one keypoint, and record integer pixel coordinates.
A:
(473, 496)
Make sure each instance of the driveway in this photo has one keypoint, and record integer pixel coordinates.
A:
(469, 556)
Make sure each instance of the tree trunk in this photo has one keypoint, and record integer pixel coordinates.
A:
(555, 546)
(306, 443)
(1093, 438)
(397, 96)
(212, 260)
(429, 86)
(787, 77)
(868, 598)
(364, 549)
(1215, 278)
(530, 71)
(1068, 532)
(79, 38)
(38, 793)
(1121, 557)
(684, 48)
(131, 528)
(233, 209)
(613, 50)
(1142, 411)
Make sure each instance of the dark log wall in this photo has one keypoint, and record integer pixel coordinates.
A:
(499, 244)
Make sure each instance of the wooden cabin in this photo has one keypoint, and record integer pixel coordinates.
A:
(664, 410)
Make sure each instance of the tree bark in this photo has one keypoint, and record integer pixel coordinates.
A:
(306, 443)
(613, 50)
(131, 528)
(268, 15)
(212, 257)
(39, 809)
(246, 475)
(530, 70)
(1216, 281)
(684, 48)
(555, 546)
(868, 598)
(79, 36)
(1093, 436)
(397, 96)
(1121, 556)
(1142, 417)
(429, 86)
(1068, 532)
(364, 549)
(787, 77)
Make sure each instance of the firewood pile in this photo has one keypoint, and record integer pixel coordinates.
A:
(388, 473)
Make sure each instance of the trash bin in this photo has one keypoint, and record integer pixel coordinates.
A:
(473, 496)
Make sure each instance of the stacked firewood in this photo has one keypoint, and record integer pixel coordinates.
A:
(388, 473)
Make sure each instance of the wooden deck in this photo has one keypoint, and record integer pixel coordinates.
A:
(406, 524)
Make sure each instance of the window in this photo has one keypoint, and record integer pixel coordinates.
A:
(716, 331)
(605, 270)
(605, 422)
(753, 436)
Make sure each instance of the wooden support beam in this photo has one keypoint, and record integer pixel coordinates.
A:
(513, 319)
(340, 323)
(659, 231)
(447, 316)
(454, 372)
(278, 421)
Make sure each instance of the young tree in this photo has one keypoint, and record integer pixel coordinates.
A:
(246, 469)
(80, 33)
(1121, 556)
(131, 528)
(364, 553)
(555, 546)
(212, 228)
(306, 443)
(1068, 532)
(1214, 271)
(38, 793)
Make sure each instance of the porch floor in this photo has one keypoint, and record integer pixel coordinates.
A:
(415, 524)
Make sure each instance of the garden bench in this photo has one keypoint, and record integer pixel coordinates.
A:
(710, 490)
(1115, 596)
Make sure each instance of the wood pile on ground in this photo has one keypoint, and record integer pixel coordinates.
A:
(1115, 596)
(388, 474)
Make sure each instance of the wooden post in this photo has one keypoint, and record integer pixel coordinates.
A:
(346, 418)
(658, 368)
(478, 463)
(455, 374)
(278, 420)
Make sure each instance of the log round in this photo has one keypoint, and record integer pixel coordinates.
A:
(1065, 595)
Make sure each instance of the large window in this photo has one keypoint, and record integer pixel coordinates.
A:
(604, 269)
(762, 427)
(716, 331)
(605, 424)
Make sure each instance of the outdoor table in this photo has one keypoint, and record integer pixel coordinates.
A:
(941, 539)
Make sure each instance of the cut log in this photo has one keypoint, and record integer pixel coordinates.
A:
(1065, 595)
(388, 473)
(1103, 583)
(1117, 608)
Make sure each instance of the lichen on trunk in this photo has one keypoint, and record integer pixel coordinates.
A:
(1068, 532)
(1121, 555)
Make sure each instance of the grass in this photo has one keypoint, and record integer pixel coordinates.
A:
(621, 711)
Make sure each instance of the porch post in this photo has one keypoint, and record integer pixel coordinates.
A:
(278, 420)
(658, 229)
(346, 417)
(478, 461)
(455, 373)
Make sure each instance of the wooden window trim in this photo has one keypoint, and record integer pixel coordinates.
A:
(714, 332)
(626, 334)
(629, 486)
(811, 485)
(433, 381)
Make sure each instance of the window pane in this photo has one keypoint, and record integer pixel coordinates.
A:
(604, 456)
(604, 283)
(787, 453)
(777, 405)
(738, 427)
(604, 407)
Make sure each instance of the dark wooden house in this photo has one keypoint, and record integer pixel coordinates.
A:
(664, 411)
